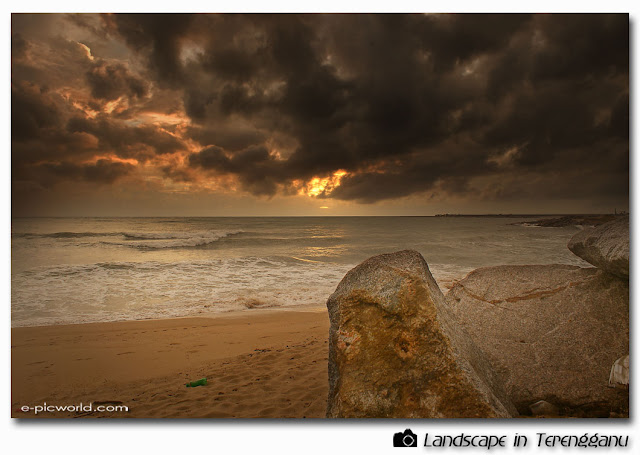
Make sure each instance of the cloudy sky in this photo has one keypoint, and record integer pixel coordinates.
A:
(319, 114)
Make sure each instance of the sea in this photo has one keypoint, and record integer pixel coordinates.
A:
(80, 270)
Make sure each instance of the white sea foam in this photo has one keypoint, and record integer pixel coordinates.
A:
(126, 290)
(86, 270)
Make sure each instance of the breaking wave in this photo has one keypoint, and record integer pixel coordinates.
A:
(110, 291)
(139, 240)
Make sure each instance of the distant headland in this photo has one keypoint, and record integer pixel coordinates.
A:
(550, 220)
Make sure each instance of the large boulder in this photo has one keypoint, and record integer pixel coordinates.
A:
(395, 349)
(605, 246)
(551, 332)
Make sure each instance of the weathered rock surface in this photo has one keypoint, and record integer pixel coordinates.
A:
(543, 408)
(605, 246)
(551, 332)
(396, 351)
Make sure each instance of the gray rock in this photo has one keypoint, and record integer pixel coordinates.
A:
(605, 246)
(395, 349)
(551, 332)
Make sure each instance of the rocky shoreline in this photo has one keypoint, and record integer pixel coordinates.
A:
(507, 341)
(571, 220)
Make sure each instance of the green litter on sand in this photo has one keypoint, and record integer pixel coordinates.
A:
(197, 383)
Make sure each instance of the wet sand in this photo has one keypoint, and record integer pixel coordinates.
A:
(258, 363)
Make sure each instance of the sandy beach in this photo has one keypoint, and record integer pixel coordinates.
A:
(257, 363)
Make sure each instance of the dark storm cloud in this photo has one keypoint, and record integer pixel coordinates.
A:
(102, 171)
(229, 137)
(19, 46)
(446, 169)
(371, 90)
(581, 45)
(42, 129)
(451, 39)
(38, 131)
(158, 35)
(49, 137)
(109, 82)
(568, 91)
(89, 22)
(404, 104)
(32, 110)
(126, 141)
(258, 170)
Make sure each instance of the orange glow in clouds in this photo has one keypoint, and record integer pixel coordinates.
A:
(113, 158)
(159, 118)
(317, 186)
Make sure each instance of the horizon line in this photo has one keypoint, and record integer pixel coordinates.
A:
(443, 215)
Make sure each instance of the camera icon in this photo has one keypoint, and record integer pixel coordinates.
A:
(406, 439)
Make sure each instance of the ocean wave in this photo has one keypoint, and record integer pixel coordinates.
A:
(172, 236)
(64, 235)
(153, 241)
(110, 291)
(139, 240)
(268, 241)
(159, 240)
(154, 289)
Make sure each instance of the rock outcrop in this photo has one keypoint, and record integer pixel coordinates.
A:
(605, 246)
(551, 332)
(395, 349)
(569, 220)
